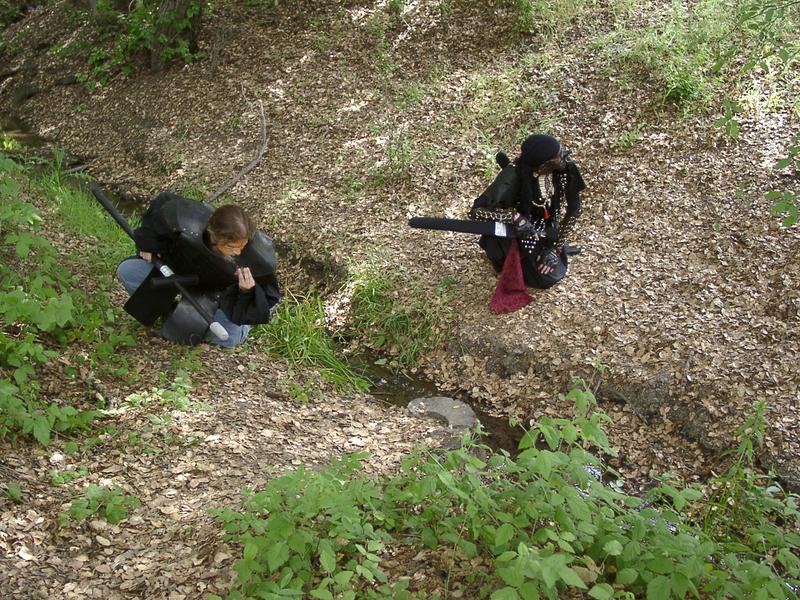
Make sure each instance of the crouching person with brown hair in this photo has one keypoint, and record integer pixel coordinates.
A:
(216, 256)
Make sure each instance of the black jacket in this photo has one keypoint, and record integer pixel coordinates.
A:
(174, 228)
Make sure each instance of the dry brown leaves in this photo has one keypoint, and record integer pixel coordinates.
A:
(679, 276)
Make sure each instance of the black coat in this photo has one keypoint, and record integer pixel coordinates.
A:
(174, 228)
(507, 192)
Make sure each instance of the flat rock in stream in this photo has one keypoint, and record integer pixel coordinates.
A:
(456, 414)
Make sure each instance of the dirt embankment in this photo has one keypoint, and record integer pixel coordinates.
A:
(686, 293)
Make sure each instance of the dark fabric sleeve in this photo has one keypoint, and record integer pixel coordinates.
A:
(575, 185)
(154, 234)
(528, 191)
(245, 308)
(480, 202)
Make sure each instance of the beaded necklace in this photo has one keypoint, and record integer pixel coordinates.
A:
(546, 189)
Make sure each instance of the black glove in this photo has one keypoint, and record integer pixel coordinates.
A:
(547, 262)
(525, 228)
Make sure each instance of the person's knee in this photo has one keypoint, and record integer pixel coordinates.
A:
(132, 272)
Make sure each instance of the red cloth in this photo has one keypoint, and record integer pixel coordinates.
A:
(511, 292)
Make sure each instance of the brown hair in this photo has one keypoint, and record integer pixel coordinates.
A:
(229, 222)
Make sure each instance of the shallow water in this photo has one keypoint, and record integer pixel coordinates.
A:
(15, 129)
(398, 389)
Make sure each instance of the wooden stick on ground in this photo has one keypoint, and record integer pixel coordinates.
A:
(250, 166)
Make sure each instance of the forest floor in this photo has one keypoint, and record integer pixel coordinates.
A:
(686, 295)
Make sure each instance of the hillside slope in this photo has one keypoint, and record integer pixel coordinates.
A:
(687, 291)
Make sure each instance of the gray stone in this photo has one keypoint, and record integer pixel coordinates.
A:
(455, 413)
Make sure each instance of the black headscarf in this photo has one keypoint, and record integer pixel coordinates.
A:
(536, 150)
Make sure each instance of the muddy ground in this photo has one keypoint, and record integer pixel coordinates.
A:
(687, 293)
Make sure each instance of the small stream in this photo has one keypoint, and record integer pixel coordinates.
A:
(16, 131)
(398, 389)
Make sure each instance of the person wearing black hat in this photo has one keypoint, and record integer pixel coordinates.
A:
(539, 193)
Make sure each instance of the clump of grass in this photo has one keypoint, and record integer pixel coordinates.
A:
(678, 51)
(629, 138)
(44, 311)
(501, 104)
(548, 17)
(378, 314)
(8, 143)
(692, 51)
(298, 333)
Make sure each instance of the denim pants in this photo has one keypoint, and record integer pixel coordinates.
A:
(133, 271)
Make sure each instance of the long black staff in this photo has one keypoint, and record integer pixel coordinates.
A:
(216, 328)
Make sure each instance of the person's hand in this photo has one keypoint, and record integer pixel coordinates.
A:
(548, 265)
(148, 256)
(246, 281)
(524, 227)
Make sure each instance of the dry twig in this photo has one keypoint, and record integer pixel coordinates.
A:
(250, 166)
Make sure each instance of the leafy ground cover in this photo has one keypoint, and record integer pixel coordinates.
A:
(106, 432)
(377, 113)
(45, 312)
(529, 527)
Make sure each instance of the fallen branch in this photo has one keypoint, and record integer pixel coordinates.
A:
(8, 73)
(250, 166)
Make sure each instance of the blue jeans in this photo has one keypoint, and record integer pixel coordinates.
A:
(133, 271)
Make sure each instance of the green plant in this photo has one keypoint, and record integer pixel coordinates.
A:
(395, 7)
(8, 143)
(400, 157)
(30, 306)
(9, 9)
(542, 525)
(409, 95)
(677, 50)
(195, 189)
(13, 491)
(175, 397)
(383, 60)
(42, 305)
(112, 504)
(548, 18)
(744, 512)
(137, 440)
(308, 526)
(502, 106)
(787, 202)
(629, 138)
(189, 360)
(729, 120)
(64, 477)
(403, 329)
(298, 333)
(304, 392)
(96, 318)
(147, 27)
